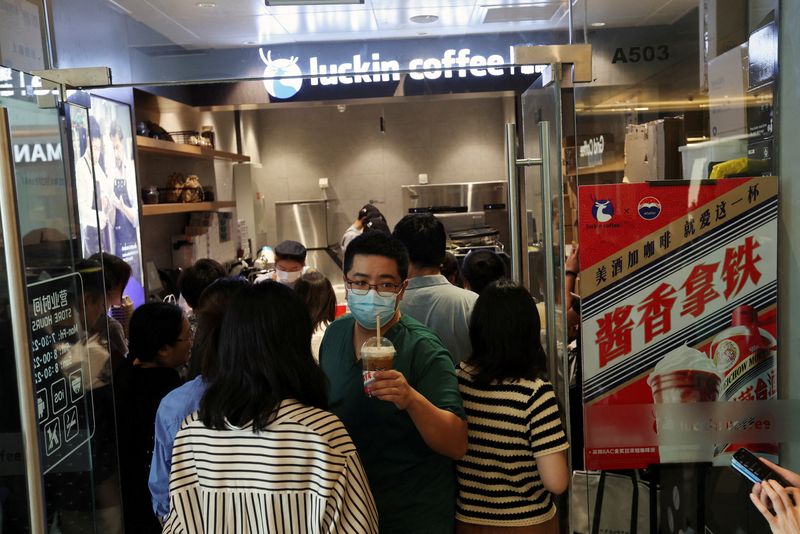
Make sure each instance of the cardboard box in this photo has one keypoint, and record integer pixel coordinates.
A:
(727, 86)
(651, 150)
(723, 26)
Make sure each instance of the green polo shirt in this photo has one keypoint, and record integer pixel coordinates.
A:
(414, 487)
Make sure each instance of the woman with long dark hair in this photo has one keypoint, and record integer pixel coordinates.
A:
(269, 456)
(516, 455)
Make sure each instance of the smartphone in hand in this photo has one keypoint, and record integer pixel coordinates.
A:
(754, 469)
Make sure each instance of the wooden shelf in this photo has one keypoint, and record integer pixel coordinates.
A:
(187, 207)
(168, 148)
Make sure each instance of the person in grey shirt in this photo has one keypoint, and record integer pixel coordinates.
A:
(429, 297)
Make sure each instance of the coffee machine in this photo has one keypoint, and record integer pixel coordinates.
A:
(474, 214)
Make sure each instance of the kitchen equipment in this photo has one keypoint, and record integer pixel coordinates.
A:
(305, 221)
(462, 207)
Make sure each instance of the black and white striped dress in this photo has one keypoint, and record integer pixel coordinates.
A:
(510, 424)
(300, 475)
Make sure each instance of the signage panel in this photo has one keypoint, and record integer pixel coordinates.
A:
(678, 305)
(62, 367)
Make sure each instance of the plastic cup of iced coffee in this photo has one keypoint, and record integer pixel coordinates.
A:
(685, 375)
(375, 356)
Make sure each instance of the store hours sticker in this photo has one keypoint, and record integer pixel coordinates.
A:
(60, 361)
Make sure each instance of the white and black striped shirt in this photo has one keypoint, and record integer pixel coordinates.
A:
(510, 424)
(300, 475)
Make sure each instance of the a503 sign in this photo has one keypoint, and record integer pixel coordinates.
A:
(644, 54)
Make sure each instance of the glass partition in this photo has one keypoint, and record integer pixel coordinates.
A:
(64, 371)
(674, 201)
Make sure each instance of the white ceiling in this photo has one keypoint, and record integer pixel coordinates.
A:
(237, 23)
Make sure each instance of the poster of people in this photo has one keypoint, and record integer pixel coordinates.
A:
(106, 190)
(678, 316)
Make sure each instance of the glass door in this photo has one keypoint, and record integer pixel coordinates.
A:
(539, 240)
(58, 459)
(542, 224)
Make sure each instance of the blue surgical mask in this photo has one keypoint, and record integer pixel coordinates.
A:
(366, 307)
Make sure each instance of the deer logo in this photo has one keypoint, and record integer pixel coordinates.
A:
(602, 210)
(283, 76)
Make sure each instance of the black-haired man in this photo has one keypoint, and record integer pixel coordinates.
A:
(290, 262)
(481, 268)
(430, 298)
(411, 425)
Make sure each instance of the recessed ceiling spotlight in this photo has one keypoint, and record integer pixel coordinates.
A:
(424, 19)
(598, 24)
(206, 5)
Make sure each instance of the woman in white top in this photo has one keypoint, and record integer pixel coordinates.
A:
(262, 454)
(318, 294)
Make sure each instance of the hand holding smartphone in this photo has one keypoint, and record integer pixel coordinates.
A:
(754, 469)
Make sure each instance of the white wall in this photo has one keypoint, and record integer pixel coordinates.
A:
(456, 140)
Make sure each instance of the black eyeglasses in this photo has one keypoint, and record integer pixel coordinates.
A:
(362, 287)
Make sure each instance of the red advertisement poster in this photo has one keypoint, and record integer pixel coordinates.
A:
(678, 305)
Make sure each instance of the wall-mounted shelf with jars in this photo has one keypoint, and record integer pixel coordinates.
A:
(157, 146)
(185, 207)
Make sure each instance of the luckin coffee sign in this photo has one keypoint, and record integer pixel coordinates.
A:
(284, 75)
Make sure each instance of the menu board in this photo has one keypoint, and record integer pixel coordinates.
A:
(678, 310)
(61, 367)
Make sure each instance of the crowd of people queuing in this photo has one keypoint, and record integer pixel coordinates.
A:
(249, 412)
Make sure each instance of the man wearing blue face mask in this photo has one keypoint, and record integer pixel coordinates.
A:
(413, 425)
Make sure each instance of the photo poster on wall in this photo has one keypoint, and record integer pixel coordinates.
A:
(678, 320)
(106, 186)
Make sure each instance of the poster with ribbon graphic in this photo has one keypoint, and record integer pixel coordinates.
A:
(678, 316)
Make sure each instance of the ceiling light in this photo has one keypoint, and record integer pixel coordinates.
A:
(206, 5)
(247, 43)
(274, 3)
(598, 24)
(424, 19)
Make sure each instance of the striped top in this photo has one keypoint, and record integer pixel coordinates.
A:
(510, 425)
(300, 475)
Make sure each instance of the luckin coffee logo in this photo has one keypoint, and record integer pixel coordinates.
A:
(284, 76)
(602, 210)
